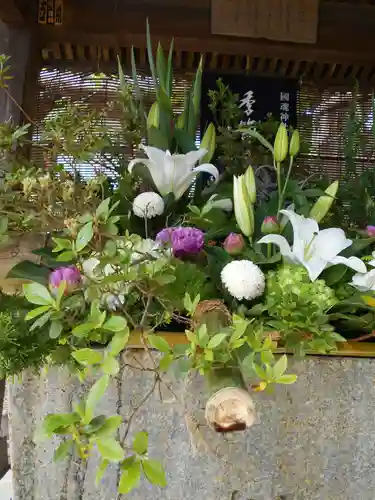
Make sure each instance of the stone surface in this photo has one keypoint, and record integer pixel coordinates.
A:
(313, 440)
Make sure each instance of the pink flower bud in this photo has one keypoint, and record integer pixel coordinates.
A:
(370, 231)
(270, 225)
(234, 244)
(69, 274)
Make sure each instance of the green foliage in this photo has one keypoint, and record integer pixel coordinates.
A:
(20, 348)
(298, 309)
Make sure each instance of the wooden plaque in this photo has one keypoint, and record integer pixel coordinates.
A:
(283, 20)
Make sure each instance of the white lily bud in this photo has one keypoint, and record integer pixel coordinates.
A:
(243, 208)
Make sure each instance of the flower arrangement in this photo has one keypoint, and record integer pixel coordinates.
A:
(239, 275)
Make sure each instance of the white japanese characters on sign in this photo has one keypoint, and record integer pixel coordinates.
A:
(247, 104)
(284, 106)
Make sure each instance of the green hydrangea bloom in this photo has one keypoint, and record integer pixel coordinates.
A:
(298, 308)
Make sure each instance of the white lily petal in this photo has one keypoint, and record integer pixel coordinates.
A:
(364, 282)
(315, 266)
(194, 156)
(372, 263)
(330, 242)
(156, 155)
(137, 161)
(156, 172)
(170, 172)
(352, 262)
(303, 232)
(280, 241)
(209, 169)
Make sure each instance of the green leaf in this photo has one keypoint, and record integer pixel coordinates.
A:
(358, 246)
(202, 335)
(169, 75)
(154, 472)
(111, 366)
(334, 274)
(165, 101)
(109, 427)
(40, 322)
(216, 340)
(87, 356)
(161, 66)
(208, 355)
(159, 343)
(67, 256)
(81, 331)
(100, 472)
(137, 88)
(61, 244)
(166, 362)
(259, 137)
(115, 324)
(156, 138)
(188, 303)
(165, 279)
(30, 271)
(103, 209)
(260, 372)
(150, 54)
(130, 478)
(118, 342)
(84, 236)
(94, 426)
(280, 367)
(267, 357)
(110, 248)
(63, 450)
(3, 224)
(54, 421)
(95, 395)
(55, 329)
(36, 312)
(287, 379)
(60, 292)
(140, 443)
(110, 449)
(37, 294)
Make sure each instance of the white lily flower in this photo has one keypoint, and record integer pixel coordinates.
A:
(365, 282)
(174, 173)
(314, 249)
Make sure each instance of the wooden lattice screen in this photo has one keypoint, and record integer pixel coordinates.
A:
(322, 115)
(95, 91)
(323, 119)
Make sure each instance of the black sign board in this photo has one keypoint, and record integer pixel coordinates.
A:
(258, 96)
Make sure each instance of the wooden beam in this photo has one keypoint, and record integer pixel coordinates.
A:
(338, 40)
(10, 12)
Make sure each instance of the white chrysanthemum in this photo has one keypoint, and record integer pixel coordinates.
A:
(243, 279)
(148, 205)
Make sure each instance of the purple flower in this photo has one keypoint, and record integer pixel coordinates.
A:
(187, 241)
(69, 274)
(234, 244)
(165, 235)
(370, 231)
(184, 240)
